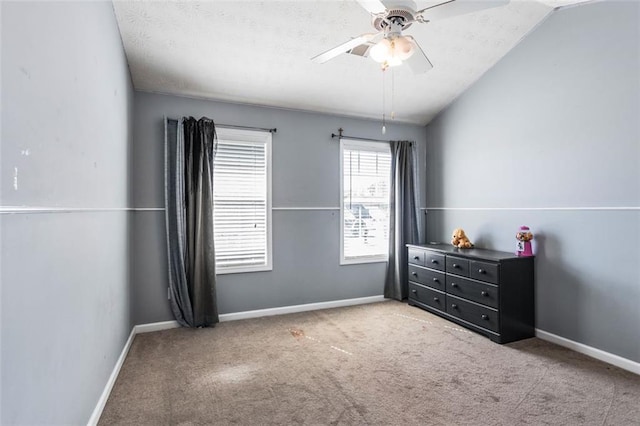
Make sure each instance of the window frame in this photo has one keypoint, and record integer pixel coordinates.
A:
(365, 145)
(252, 136)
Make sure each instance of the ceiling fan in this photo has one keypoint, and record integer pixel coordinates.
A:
(388, 46)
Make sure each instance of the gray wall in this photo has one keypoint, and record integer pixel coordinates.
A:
(550, 138)
(306, 174)
(67, 99)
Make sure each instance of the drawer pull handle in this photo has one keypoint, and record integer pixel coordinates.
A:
(413, 290)
(416, 257)
(435, 299)
(485, 317)
(414, 274)
(482, 271)
(454, 306)
(484, 293)
(434, 261)
(454, 285)
(455, 265)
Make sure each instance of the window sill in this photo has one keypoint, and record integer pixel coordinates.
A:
(227, 271)
(359, 260)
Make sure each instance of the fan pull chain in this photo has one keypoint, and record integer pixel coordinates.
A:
(393, 90)
(384, 127)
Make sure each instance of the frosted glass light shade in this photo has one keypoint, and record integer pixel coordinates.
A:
(393, 61)
(403, 48)
(381, 51)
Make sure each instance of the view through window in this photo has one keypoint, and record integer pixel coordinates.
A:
(366, 174)
(242, 201)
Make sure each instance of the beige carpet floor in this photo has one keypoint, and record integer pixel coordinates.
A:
(385, 363)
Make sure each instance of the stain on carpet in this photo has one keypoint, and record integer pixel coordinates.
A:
(297, 333)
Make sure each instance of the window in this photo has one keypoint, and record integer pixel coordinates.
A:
(364, 210)
(242, 201)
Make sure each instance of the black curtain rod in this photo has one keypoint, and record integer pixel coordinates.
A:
(333, 135)
(233, 126)
(341, 135)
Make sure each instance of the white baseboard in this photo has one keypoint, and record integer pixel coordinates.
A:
(300, 308)
(97, 412)
(166, 325)
(609, 358)
(155, 326)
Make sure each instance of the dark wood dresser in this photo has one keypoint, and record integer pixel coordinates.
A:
(490, 292)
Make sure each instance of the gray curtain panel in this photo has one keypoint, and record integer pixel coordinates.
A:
(403, 217)
(189, 152)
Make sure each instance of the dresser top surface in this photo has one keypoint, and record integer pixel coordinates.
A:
(472, 253)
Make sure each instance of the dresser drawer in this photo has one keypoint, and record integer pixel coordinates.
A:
(476, 314)
(458, 266)
(416, 256)
(434, 261)
(485, 294)
(427, 296)
(484, 271)
(427, 277)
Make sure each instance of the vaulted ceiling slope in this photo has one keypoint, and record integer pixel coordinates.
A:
(259, 52)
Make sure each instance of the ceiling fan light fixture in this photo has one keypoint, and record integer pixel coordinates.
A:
(393, 61)
(381, 51)
(392, 51)
(403, 47)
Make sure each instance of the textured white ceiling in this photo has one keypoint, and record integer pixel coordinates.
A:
(259, 52)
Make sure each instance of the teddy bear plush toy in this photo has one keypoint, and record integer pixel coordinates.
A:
(460, 240)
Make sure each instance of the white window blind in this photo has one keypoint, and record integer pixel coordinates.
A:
(366, 174)
(242, 201)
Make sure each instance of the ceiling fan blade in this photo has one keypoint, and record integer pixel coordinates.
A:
(373, 6)
(418, 62)
(457, 7)
(344, 47)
